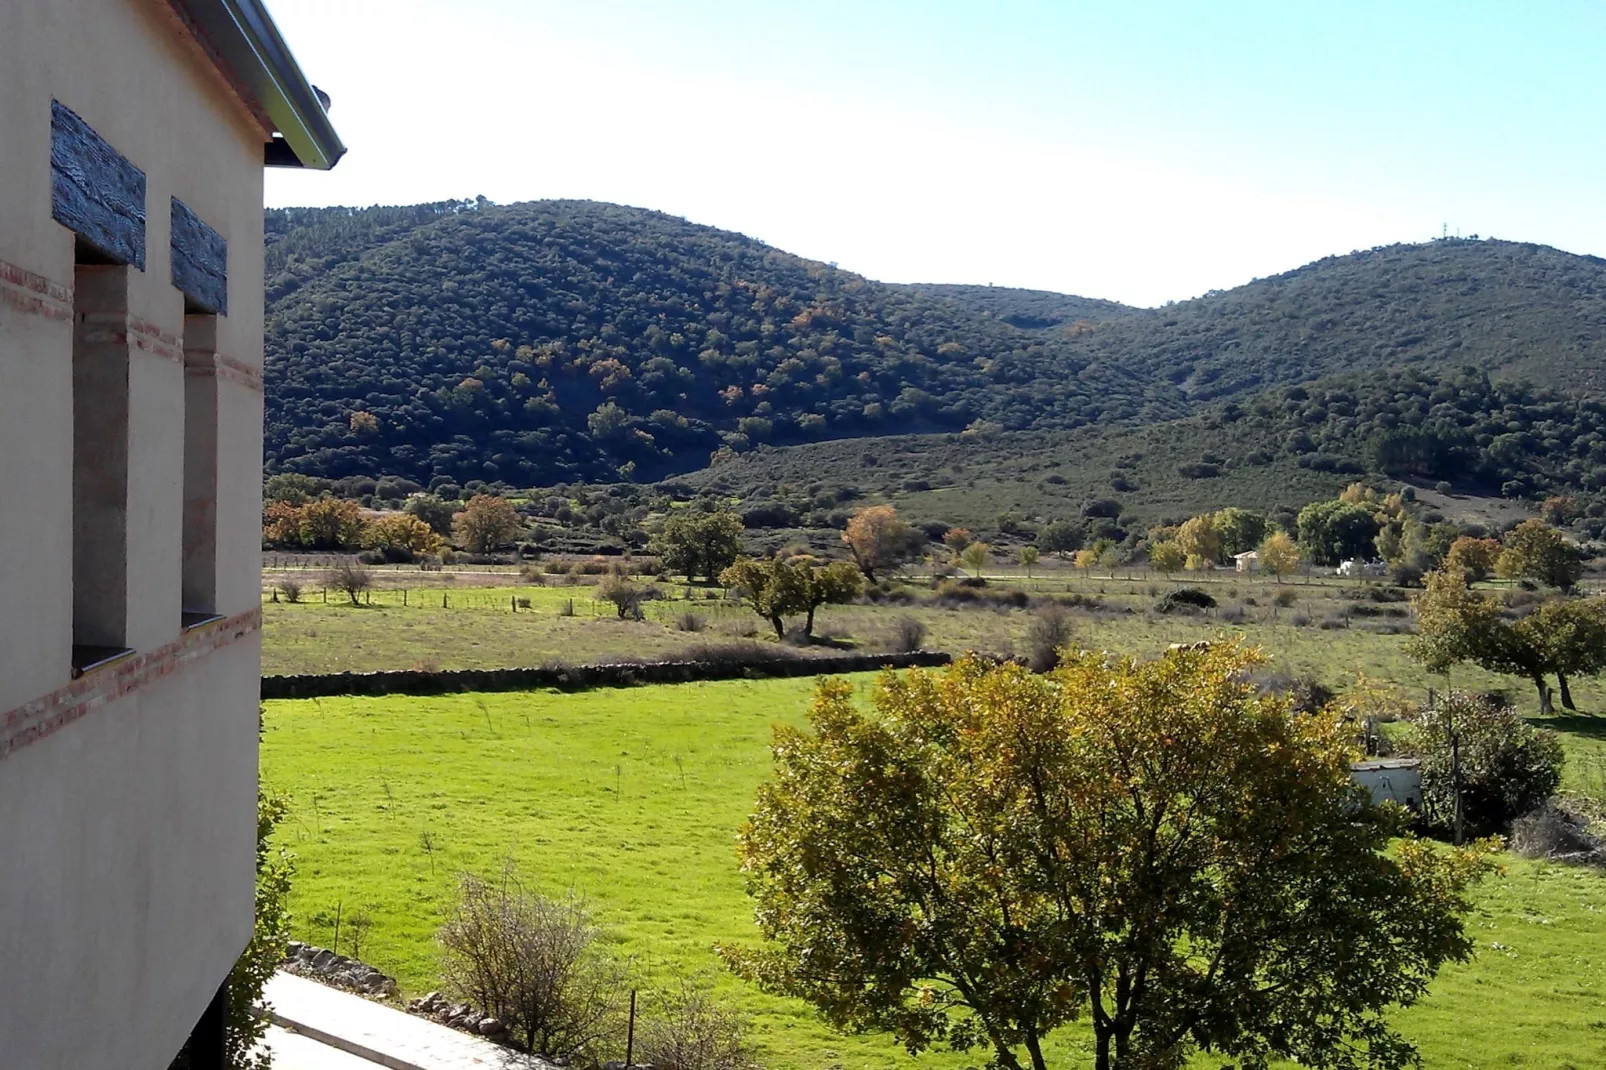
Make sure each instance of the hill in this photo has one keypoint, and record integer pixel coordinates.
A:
(568, 340)
(559, 340)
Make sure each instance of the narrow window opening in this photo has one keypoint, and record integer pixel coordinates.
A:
(199, 600)
(100, 464)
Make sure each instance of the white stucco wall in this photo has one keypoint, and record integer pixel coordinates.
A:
(127, 832)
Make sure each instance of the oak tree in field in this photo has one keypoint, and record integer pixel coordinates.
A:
(1029, 558)
(699, 543)
(984, 855)
(1061, 537)
(1475, 557)
(1279, 555)
(1167, 557)
(956, 539)
(1240, 530)
(1536, 551)
(1200, 542)
(400, 533)
(433, 511)
(1335, 531)
(781, 587)
(486, 523)
(975, 557)
(880, 540)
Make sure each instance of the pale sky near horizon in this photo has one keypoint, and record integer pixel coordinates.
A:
(1142, 152)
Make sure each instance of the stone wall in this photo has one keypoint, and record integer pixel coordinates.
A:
(582, 677)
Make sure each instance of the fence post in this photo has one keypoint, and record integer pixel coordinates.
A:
(443, 599)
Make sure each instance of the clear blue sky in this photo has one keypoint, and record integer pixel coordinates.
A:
(1137, 151)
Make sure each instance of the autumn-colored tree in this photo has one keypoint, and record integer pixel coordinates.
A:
(1559, 509)
(1279, 555)
(399, 533)
(1028, 559)
(879, 539)
(331, 524)
(1085, 559)
(779, 587)
(486, 523)
(1167, 557)
(1200, 542)
(1475, 557)
(698, 543)
(281, 524)
(983, 855)
(956, 539)
(1536, 551)
(975, 557)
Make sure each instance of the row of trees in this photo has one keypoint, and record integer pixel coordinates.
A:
(484, 524)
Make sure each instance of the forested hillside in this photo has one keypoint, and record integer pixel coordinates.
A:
(553, 341)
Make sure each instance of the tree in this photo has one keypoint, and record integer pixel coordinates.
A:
(433, 511)
(1456, 624)
(330, 524)
(956, 539)
(1200, 541)
(1239, 529)
(1534, 550)
(1167, 557)
(1474, 557)
(1060, 537)
(1573, 632)
(1504, 767)
(1028, 559)
(975, 557)
(879, 539)
(487, 523)
(698, 543)
(292, 488)
(401, 535)
(1279, 555)
(781, 587)
(1085, 559)
(986, 854)
(1335, 531)
(352, 579)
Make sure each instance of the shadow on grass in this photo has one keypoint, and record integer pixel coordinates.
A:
(1575, 724)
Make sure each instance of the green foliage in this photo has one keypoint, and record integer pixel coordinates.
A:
(988, 854)
(1534, 550)
(1507, 767)
(486, 523)
(781, 587)
(698, 543)
(433, 511)
(1335, 531)
(1241, 530)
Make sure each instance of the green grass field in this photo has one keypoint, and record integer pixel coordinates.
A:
(632, 798)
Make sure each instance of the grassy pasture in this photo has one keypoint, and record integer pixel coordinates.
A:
(632, 798)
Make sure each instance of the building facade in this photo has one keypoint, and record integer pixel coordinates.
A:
(133, 137)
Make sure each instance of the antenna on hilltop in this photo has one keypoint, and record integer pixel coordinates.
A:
(1444, 231)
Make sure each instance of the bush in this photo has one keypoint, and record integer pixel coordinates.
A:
(1558, 834)
(351, 578)
(291, 589)
(1284, 598)
(1184, 599)
(1050, 632)
(690, 1028)
(908, 634)
(1508, 768)
(534, 964)
(689, 622)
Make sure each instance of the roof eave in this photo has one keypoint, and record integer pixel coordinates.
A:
(242, 38)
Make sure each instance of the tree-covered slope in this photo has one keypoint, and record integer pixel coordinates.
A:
(560, 340)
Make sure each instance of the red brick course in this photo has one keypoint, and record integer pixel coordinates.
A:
(27, 292)
(36, 720)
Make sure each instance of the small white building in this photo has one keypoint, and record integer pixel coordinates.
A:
(1396, 780)
(1248, 561)
(1355, 568)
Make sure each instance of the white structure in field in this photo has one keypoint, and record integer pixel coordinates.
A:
(134, 135)
(1355, 568)
(1248, 561)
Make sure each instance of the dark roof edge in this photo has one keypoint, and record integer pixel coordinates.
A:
(242, 35)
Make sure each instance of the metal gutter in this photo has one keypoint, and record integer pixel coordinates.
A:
(241, 35)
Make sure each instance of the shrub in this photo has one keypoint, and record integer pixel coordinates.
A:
(1558, 834)
(352, 578)
(1300, 620)
(688, 621)
(1284, 599)
(566, 609)
(291, 589)
(1050, 632)
(690, 1028)
(1184, 599)
(1508, 768)
(1233, 614)
(533, 963)
(908, 634)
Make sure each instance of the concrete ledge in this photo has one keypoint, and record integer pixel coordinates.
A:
(583, 677)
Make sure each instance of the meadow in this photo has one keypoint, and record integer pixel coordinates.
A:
(631, 798)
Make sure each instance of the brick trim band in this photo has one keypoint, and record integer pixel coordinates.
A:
(236, 371)
(43, 717)
(27, 292)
